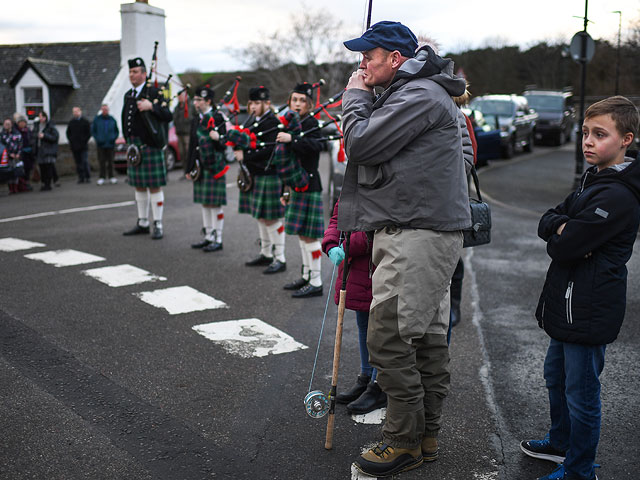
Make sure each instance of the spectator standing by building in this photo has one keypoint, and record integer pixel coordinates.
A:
(182, 116)
(12, 141)
(104, 130)
(27, 151)
(46, 142)
(78, 134)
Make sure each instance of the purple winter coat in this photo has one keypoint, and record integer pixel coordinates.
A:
(359, 280)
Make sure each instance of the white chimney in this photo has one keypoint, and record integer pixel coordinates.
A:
(142, 25)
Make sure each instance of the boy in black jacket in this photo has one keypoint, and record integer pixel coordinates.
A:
(589, 238)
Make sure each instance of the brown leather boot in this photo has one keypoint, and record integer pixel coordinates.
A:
(429, 448)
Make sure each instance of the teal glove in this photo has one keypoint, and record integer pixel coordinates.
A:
(336, 255)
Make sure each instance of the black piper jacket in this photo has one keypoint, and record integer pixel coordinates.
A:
(584, 295)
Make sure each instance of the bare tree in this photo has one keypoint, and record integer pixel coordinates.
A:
(307, 50)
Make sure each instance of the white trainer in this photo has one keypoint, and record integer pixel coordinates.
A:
(100, 181)
(113, 180)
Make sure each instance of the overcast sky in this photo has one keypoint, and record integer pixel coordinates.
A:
(201, 34)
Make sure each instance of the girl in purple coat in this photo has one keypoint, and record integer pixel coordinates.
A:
(365, 396)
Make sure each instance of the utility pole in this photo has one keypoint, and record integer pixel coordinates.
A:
(583, 83)
(618, 52)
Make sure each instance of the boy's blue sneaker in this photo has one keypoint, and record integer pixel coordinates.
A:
(543, 450)
(559, 474)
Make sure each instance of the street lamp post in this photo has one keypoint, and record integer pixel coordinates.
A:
(618, 52)
(583, 85)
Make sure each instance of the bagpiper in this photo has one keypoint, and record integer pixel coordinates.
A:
(145, 116)
(208, 164)
(263, 201)
(304, 215)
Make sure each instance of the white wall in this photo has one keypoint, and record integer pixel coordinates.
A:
(142, 25)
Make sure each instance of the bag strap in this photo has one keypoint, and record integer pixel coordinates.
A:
(474, 174)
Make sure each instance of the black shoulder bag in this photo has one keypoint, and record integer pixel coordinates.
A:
(479, 233)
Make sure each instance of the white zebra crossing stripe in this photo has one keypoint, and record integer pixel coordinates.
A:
(64, 258)
(10, 244)
(176, 300)
(249, 338)
(122, 275)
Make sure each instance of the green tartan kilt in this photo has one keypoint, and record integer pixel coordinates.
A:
(266, 197)
(244, 201)
(210, 191)
(152, 170)
(304, 215)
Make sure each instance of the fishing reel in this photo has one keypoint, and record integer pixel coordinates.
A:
(316, 404)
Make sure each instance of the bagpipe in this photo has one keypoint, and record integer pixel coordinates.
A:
(229, 98)
(290, 171)
(244, 137)
(157, 129)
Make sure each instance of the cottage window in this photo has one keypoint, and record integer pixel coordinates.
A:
(33, 101)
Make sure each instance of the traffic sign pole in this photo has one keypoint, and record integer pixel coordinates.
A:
(587, 49)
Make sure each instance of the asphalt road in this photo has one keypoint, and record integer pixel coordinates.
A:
(97, 384)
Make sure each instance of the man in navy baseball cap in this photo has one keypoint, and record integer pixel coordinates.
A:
(388, 35)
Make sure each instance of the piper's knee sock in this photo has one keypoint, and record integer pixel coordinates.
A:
(157, 206)
(314, 252)
(218, 223)
(305, 259)
(276, 236)
(265, 241)
(207, 222)
(142, 202)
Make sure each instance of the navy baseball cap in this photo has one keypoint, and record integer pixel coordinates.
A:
(388, 35)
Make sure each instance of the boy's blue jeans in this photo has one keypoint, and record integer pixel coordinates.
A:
(572, 372)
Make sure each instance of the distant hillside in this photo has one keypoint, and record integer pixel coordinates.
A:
(488, 70)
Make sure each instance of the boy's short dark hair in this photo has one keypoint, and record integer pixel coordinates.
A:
(622, 110)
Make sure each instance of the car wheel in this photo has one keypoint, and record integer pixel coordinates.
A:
(509, 150)
(529, 146)
(170, 159)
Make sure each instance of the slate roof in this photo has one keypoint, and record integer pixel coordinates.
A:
(53, 72)
(93, 64)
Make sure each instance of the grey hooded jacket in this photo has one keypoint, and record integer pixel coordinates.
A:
(406, 166)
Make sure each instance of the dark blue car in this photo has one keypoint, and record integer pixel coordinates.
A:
(487, 134)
